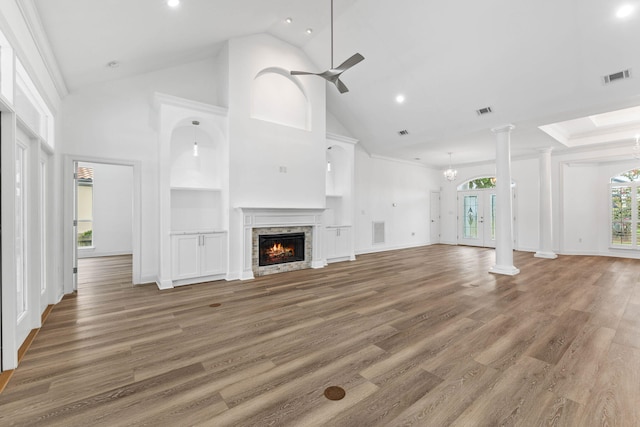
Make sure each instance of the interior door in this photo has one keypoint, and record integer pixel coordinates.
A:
(476, 218)
(434, 224)
(23, 309)
(75, 226)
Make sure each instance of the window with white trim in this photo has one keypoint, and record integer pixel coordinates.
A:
(624, 197)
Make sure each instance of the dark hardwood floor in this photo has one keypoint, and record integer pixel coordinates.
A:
(422, 337)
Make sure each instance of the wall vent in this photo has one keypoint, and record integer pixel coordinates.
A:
(620, 75)
(378, 232)
(403, 132)
(485, 110)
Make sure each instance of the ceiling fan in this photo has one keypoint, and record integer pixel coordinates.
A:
(333, 74)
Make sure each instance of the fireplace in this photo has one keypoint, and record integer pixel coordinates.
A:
(280, 248)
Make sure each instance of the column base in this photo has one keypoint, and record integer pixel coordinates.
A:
(547, 255)
(506, 270)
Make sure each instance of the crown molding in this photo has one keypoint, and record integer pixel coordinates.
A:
(34, 23)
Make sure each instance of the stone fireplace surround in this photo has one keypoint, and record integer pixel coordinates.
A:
(255, 220)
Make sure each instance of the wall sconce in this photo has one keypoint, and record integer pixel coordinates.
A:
(328, 166)
(195, 124)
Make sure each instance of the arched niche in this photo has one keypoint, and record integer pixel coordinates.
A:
(278, 97)
(190, 171)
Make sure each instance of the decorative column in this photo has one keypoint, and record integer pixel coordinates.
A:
(504, 200)
(546, 218)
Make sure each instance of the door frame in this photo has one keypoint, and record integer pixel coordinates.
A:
(514, 214)
(70, 249)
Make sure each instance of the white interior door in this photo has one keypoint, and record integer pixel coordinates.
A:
(23, 309)
(434, 224)
(476, 218)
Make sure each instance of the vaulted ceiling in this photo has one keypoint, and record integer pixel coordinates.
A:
(534, 63)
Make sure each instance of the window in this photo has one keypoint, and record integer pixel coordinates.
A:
(624, 193)
(478, 183)
(85, 207)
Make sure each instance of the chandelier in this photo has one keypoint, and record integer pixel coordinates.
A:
(450, 173)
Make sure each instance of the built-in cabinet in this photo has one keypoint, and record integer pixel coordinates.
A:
(339, 242)
(339, 202)
(198, 255)
(194, 192)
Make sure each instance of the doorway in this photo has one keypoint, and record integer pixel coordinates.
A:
(477, 218)
(104, 208)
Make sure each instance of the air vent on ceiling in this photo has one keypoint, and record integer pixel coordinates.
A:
(620, 75)
(403, 132)
(485, 110)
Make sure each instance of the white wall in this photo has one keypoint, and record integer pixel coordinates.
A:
(525, 174)
(112, 210)
(112, 121)
(379, 185)
(583, 183)
(271, 165)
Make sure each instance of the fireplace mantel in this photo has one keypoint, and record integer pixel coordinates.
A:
(258, 217)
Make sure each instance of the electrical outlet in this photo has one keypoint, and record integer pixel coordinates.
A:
(283, 169)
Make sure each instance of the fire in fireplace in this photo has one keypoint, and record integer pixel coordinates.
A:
(280, 248)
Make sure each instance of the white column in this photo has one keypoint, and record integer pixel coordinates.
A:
(504, 200)
(546, 220)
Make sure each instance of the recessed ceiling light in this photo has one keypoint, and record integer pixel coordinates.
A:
(113, 64)
(288, 20)
(400, 99)
(624, 11)
(309, 30)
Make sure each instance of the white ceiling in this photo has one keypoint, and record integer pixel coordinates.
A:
(534, 63)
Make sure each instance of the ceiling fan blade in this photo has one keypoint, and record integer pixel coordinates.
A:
(303, 73)
(342, 88)
(355, 58)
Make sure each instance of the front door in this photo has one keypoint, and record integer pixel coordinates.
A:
(476, 218)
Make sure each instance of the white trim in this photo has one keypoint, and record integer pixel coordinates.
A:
(68, 236)
(160, 99)
(34, 24)
(341, 138)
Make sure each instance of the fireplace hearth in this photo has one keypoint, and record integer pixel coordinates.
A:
(280, 248)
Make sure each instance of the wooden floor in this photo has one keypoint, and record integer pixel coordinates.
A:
(422, 337)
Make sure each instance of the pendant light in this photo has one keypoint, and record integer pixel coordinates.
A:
(450, 173)
(195, 124)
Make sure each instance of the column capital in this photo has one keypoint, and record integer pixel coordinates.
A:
(545, 150)
(504, 128)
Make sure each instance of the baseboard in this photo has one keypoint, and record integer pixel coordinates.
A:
(102, 254)
(6, 375)
(4, 379)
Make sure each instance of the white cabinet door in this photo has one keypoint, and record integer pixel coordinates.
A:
(186, 256)
(338, 242)
(213, 250)
(330, 238)
(343, 242)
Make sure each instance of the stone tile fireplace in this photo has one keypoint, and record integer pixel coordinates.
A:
(278, 227)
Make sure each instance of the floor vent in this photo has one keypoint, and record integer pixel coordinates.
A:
(620, 75)
(378, 232)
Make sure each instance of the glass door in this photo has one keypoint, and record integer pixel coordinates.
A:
(476, 218)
